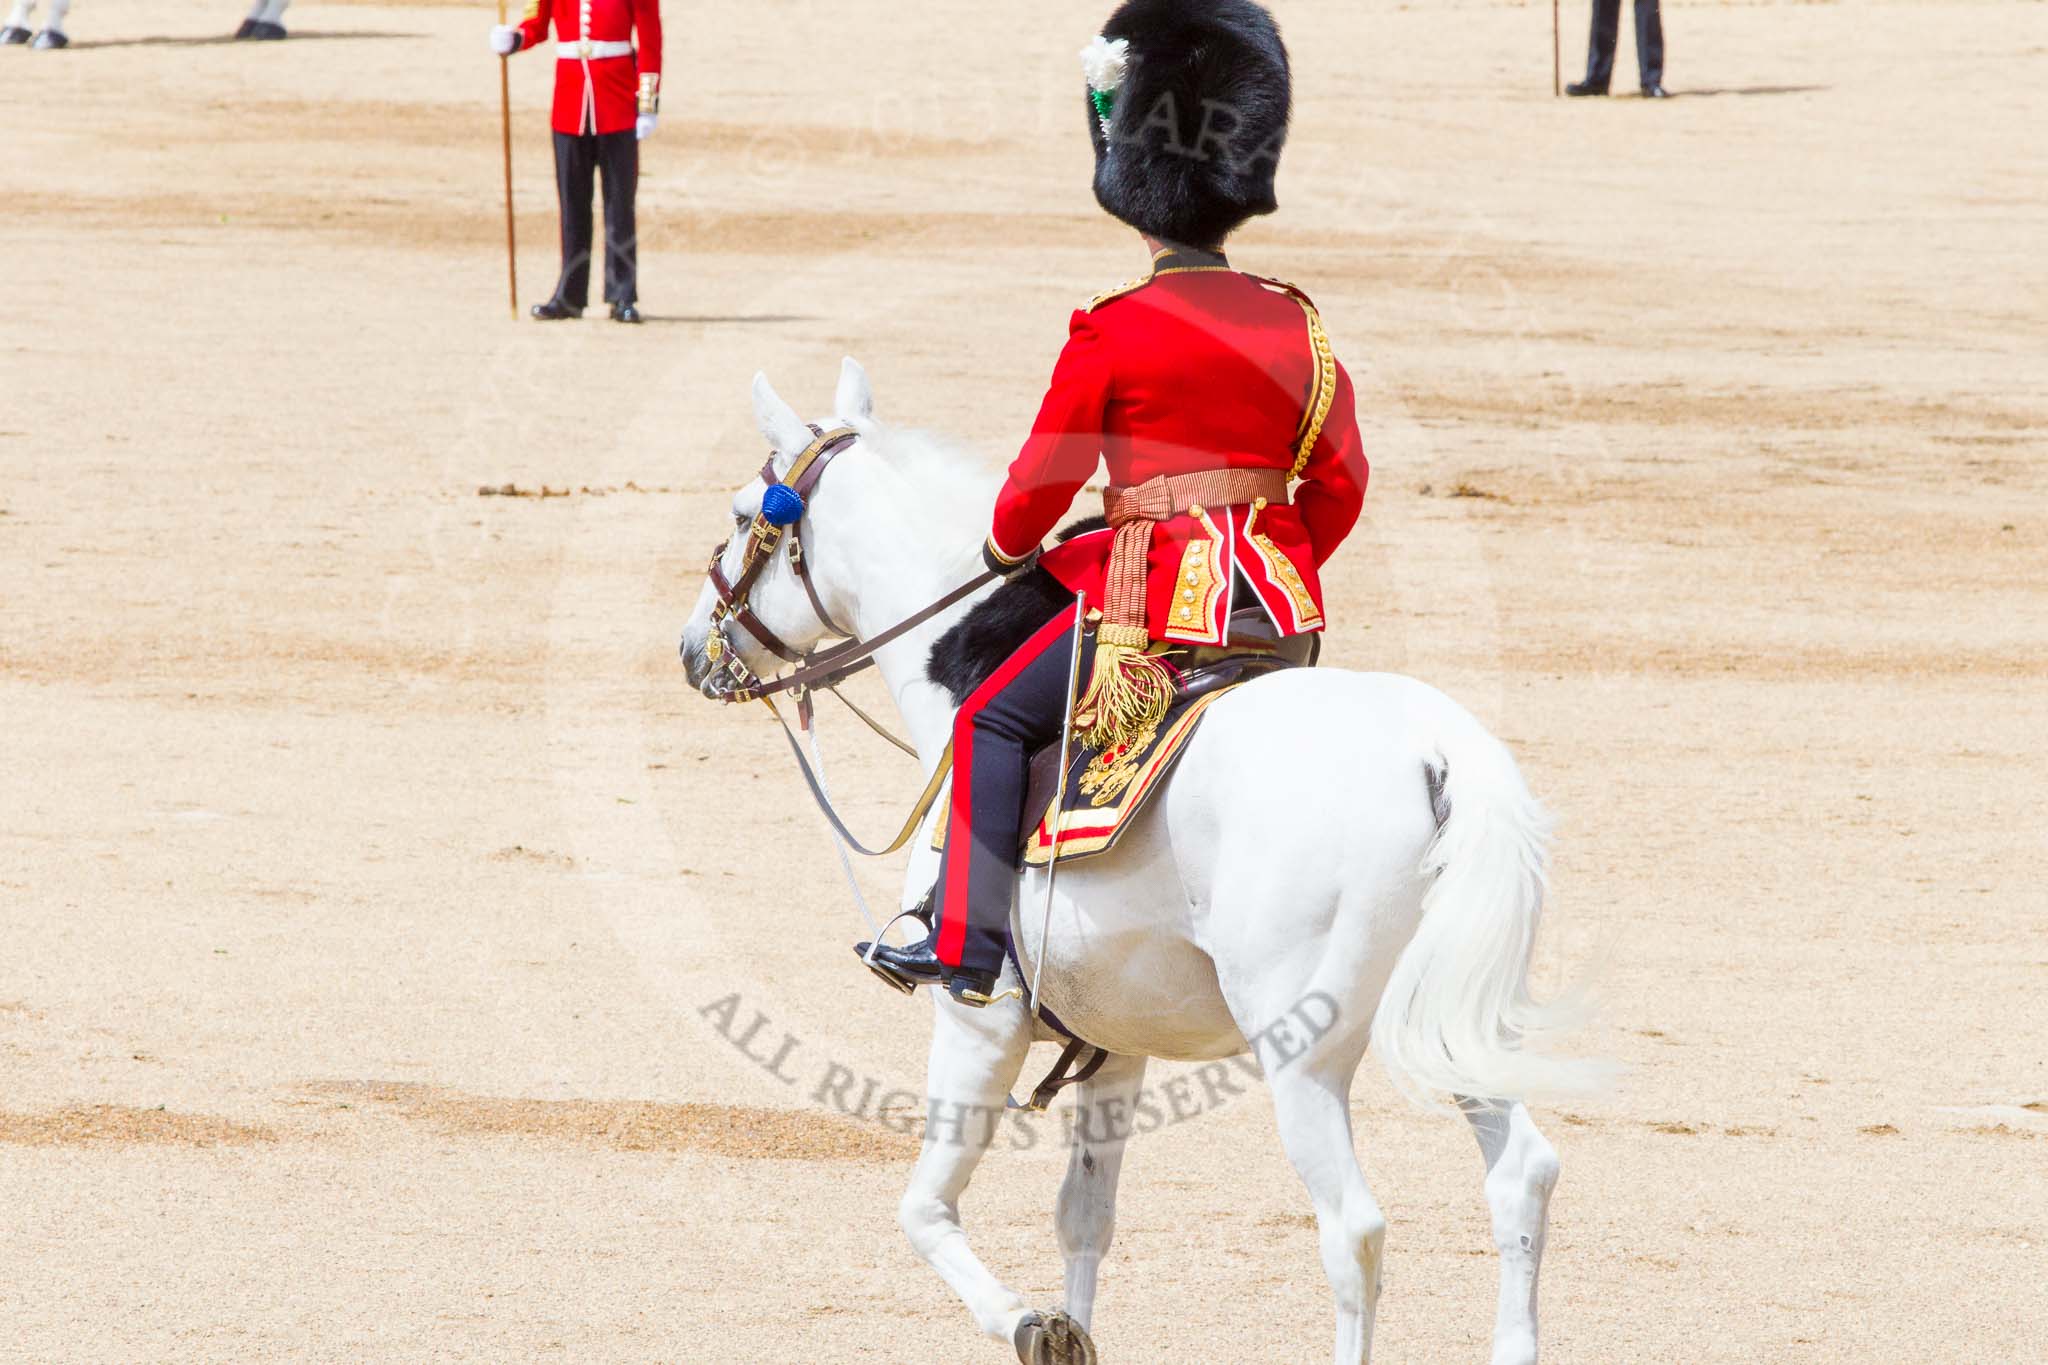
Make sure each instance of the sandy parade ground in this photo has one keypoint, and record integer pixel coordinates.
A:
(384, 924)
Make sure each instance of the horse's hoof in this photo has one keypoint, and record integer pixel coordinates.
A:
(48, 39)
(1053, 1339)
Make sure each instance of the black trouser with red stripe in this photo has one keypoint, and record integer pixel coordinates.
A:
(999, 727)
(580, 159)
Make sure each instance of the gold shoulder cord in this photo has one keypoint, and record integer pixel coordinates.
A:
(1321, 396)
(1323, 393)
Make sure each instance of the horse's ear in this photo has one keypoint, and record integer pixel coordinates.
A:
(856, 400)
(781, 428)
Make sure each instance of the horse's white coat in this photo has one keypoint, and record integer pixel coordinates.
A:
(1292, 894)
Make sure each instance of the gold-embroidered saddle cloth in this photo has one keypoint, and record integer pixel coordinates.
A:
(1106, 790)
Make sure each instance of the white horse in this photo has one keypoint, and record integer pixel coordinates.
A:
(266, 20)
(1341, 859)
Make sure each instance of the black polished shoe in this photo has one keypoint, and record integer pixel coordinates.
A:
(268, 33)
(1655, 91)
(247, 30)
(14, 36)
(554, 310)
(49, 40)
(972, 988)
(625, 312)
(1581, 88)
(904, 968)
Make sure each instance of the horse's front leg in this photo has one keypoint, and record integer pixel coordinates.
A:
(976, 1055)
(1103, 1113)
(1521, 1171)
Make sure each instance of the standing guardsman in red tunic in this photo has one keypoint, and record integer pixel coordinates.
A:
(606, 98)
(1206, 393)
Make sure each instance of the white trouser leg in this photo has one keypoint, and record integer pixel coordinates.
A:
(1521, 1171)
(1104, 1110)
(273, 11)
(24, 11)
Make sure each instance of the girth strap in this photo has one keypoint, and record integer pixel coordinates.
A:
(1063, 1075)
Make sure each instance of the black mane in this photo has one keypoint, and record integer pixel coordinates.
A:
(965, 656)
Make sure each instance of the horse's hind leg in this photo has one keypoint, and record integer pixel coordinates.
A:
(1521, 1171)
(975, 1058)
(1103, 1114)
(1310, 1102)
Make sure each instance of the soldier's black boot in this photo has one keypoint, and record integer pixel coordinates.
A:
(905, 968)
(918, 964)
(1579, 88)
(554, 310)
(14, 36)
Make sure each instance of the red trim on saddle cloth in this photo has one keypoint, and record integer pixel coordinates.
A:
(960, 819)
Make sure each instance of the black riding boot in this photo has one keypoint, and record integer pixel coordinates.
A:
(918, 964)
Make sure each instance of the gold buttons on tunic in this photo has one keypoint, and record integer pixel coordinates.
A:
(1186, 613)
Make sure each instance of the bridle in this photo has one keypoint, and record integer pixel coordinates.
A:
(781, 513)
(784, 509)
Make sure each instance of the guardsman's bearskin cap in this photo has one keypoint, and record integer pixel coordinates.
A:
(1188, 104)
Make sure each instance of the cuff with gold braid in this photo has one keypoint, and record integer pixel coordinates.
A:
(650, 92)
(999, 563)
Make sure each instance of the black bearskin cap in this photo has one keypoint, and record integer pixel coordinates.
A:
(1194, 139)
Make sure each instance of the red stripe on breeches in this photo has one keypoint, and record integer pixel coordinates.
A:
(997, 729)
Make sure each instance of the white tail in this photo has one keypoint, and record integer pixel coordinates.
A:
(1456, 1017)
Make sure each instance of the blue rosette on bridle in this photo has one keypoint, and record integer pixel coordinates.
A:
(781, 505)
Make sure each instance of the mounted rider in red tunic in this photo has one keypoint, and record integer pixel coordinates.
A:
(1207, 395)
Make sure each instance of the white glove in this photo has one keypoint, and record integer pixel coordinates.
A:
(643, 126)
(504, 40)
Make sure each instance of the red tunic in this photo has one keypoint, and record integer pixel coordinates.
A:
(598, 94)
(1197, 370)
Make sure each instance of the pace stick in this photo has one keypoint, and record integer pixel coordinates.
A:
(1556, 55)
(505, 128)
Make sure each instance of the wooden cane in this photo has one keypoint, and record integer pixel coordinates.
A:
(505, 127)
(1556, 55)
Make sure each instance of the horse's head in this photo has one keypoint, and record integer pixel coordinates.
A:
(762, 604)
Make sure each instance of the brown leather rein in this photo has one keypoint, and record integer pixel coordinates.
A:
(732, 680)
